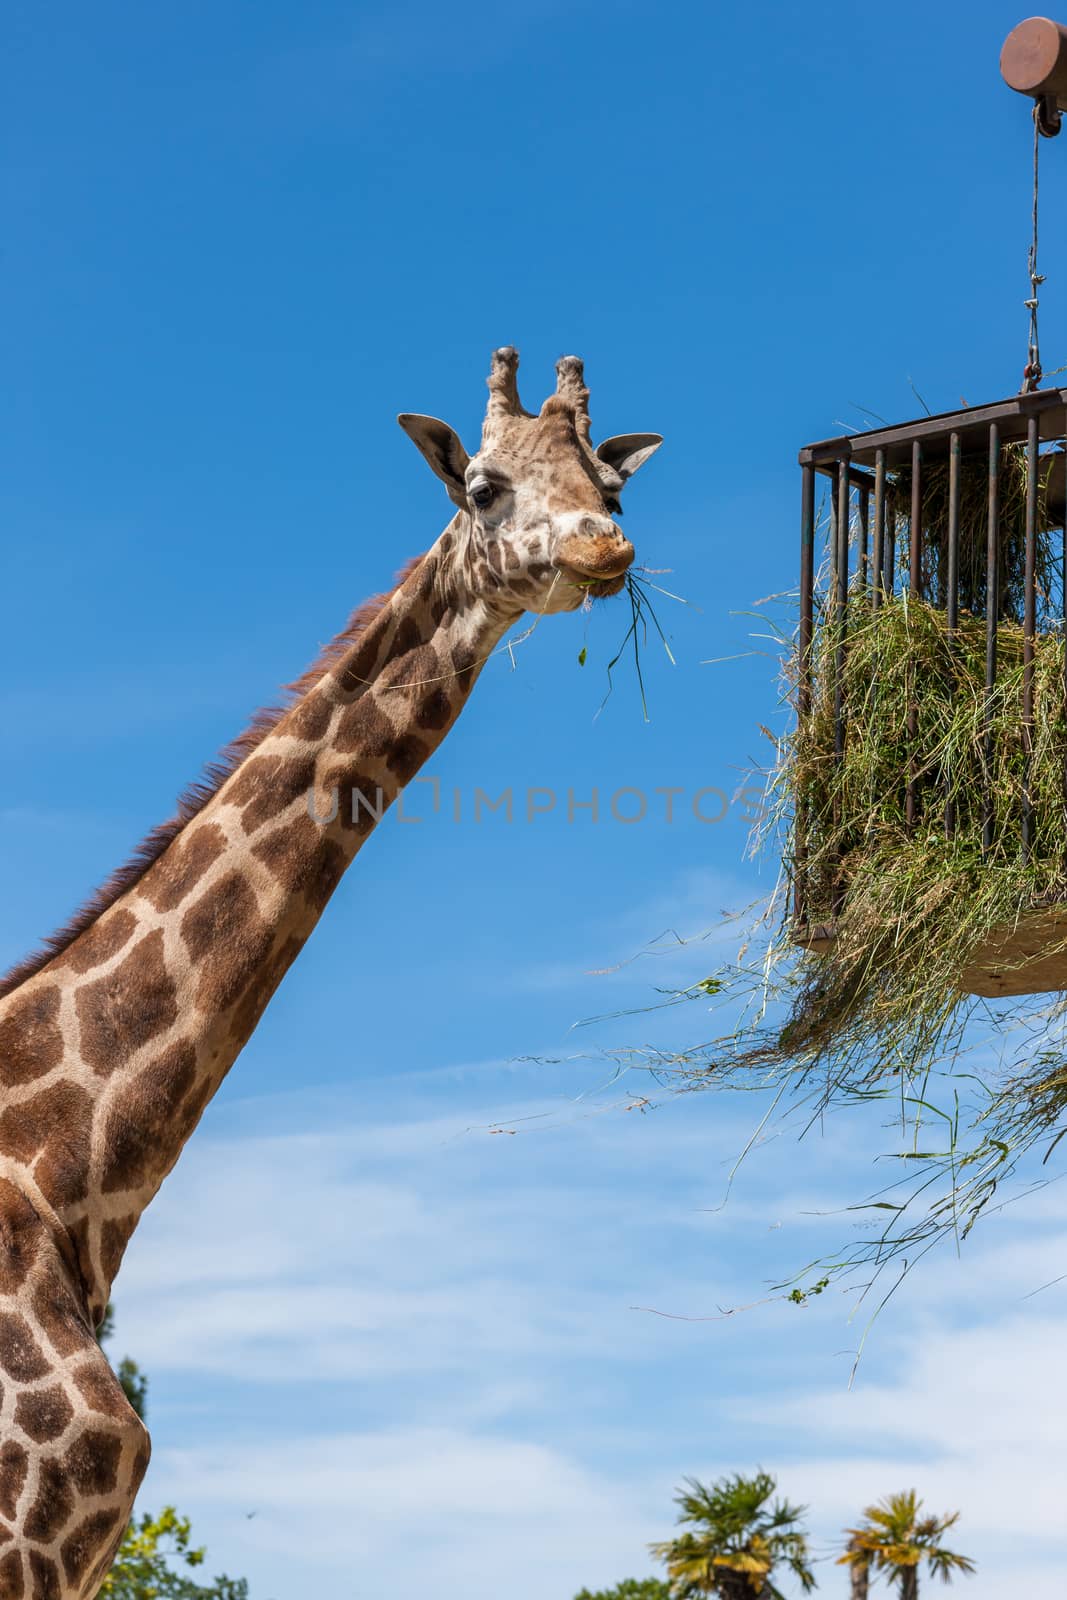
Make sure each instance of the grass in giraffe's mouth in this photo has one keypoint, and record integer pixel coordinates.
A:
(639, 586)
(594, 588)
(604, 588)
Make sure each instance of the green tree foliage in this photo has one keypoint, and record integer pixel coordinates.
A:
(157, 1557)
(155, 1563)
(736, 1538)
(895, 1539)
(630, 1589)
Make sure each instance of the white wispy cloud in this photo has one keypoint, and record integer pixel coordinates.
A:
(411, 1352)
(412, 1512)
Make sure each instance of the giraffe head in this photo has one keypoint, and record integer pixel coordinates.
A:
(537, 501)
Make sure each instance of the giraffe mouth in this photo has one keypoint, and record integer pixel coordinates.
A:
(598, 588)
(604, 570)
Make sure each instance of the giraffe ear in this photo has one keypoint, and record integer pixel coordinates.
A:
(628, 451)
(442, 448)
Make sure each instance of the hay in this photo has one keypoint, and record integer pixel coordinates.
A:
(910, 905)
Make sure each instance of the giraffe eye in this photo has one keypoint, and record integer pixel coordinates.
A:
(481, 493)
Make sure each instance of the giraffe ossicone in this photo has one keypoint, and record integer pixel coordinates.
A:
(116, 1034)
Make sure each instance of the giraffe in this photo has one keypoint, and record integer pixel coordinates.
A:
(116, 1034)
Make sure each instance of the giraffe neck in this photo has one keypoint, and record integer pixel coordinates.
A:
(111, 1051)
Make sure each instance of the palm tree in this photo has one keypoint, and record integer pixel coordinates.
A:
(896, 1539)
(737, 1543)
(859, 1569)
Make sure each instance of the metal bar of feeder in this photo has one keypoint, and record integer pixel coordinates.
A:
(841, 605)
(916, 523)
(952, 596)
(807, 585)
(891, 546)
(862, 563)
(992, 607)
(1029, 633)
(844, 504)
(1063, 642)
(804, 684)
(914, 590)
(878, 558)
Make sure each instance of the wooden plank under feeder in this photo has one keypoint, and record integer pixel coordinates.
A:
(1029, 958)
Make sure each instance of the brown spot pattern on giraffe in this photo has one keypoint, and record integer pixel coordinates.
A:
(255, 1001)
(409, 635)
(20, 1355)
(54, 1503)
(128, 1007)
(406, 757)
(268, 785)
(78, 1233)
(105, 1561)
(227, 937)
(291, 781)
(430, 596)
(420, 669)
(148, 1122)
(46, 1581)
(54, 1125)
(101, 941)
(355, 672)
(424, 585)
(14, 1465)
(43, 1414)
(30, 1041)
(92, 1462)
(140, 1461)
(358, 809)
(12, 1581)
(20, 1237)
(79, 1549)
(100, 1390)
(59, 1314)
(303, 859)
(363, 727)
(434, 711)
(176, 875)
(309, 718)
(114, 1237)
(463, 662)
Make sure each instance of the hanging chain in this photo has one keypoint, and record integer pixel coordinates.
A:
(1032, 370)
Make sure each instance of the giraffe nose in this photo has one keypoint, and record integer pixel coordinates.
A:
(595, 548)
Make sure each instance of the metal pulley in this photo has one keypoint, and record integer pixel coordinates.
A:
(1033, 61)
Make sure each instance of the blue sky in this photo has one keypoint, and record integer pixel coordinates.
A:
(239, 241)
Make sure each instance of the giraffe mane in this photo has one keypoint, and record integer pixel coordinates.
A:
(202, 790)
